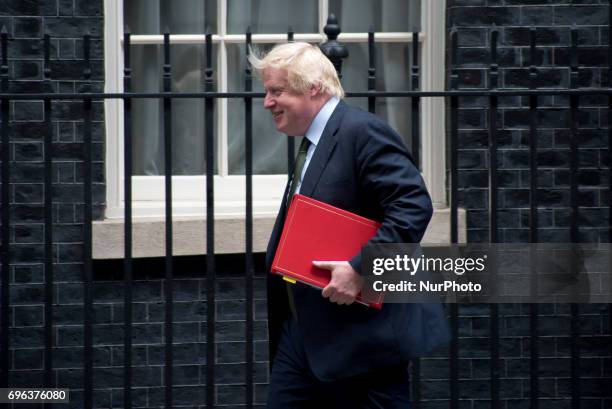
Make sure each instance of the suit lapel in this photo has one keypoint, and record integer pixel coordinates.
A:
(323, 151)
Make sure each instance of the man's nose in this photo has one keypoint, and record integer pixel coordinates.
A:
(268, 102)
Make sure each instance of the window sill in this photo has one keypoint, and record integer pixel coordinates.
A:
(189, 235)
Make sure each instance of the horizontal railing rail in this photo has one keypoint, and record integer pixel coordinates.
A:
(361, 94)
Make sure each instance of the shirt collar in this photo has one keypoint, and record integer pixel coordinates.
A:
(315, 130)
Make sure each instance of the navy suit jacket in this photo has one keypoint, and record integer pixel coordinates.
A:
(360, 165)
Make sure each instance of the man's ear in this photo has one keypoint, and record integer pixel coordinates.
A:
(315, 89)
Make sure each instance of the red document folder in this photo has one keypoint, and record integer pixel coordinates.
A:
(318, 231)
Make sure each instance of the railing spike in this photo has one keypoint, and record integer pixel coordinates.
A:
(333, 49)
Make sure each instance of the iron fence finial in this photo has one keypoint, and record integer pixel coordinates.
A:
(333, 49)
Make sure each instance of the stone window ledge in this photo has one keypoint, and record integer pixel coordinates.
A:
(189, 235)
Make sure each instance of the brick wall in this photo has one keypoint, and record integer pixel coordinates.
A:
(552, 20)
(190, 328)
(66, 22)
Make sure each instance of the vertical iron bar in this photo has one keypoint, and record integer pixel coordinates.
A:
(493, 103)
(48, 246)
(210, 232)
(415, 102)
(290, 139)
(248, 128)
(533, 140)
(6, 229)
(573, 180)
(415, 148)
(493, 225)
(127, 240)
(87, 239)
(167, 86)
(454, 308)
(371, 71)
(533, 225)
(610, 163)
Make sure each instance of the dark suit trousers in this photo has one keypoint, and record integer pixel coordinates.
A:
(293, 385)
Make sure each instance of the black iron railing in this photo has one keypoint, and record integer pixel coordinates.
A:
(335, 51)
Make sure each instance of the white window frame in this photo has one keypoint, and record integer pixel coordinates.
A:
(189, 191)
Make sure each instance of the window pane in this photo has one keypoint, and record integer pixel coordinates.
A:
(154, 16)
(188, 156)
(381, 15)
(393, 62)
(269, 145)
(272, 16)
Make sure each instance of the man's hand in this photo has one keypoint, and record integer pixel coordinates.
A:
(345, 284)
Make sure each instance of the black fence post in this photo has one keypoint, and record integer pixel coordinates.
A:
(610, 163)
(371, 71)
(454, 228)
(6, 228)
(169, 265)
(87, 230)
(210, 227)
(573, 181)
(290, 139)
(127, 233)
(533, 224)
(493, 205)
(249, 269)
(415, 102)
(415, 138)
(48, 200)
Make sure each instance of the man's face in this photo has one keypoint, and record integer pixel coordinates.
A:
(292, 112)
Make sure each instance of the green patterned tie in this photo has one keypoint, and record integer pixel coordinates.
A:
(300, 160)
(297, 174)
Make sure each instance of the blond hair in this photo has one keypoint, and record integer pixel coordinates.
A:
(305, 64)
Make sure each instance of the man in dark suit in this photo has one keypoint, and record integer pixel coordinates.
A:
(328, 351)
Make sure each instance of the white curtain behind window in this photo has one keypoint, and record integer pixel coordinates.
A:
(269, 16)
(272, 16)
(153, 17)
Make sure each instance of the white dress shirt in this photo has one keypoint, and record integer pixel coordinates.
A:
(315, 131)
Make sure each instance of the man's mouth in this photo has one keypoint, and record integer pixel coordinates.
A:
(277, 115)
